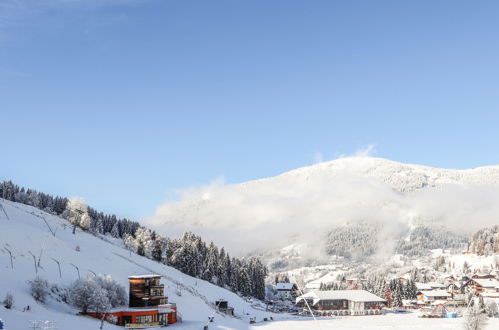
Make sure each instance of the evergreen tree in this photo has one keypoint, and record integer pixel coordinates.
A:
(157, 251)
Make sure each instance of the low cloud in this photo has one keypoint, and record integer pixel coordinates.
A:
(301, 207)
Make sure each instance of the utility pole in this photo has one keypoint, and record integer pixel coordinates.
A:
(10, 253)
(77, 269)
(59, 265)
(34, 260)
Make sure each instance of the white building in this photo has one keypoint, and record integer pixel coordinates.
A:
(286, 291)
(342, 302)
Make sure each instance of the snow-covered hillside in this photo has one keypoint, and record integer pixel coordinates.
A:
(26, 232)
(301, 208)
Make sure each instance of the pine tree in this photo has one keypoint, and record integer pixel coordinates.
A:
(387, 295)
(157, 252)
(115, 232)
(141, 251)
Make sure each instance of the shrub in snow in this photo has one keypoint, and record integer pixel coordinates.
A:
(85, 294)
(491, 308)
(39, 289)
(474, 318)
(116, 293)
(8, 301)
(97, 294)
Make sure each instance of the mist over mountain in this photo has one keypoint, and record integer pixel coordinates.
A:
(353, 206)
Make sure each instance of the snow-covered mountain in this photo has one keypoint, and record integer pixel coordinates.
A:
(28, 232)
(302, 207)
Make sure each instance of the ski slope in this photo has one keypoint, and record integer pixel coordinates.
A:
(26, 232)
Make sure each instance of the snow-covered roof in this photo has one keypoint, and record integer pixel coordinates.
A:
(351, 295)
(436, 285)
(436, 293)
(486, 282)
(423, 286)
(144, 276)
(284, 286)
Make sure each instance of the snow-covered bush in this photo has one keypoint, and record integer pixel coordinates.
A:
(491, 308)
(116, 293)
(97, 294)
(39, 289)
(85, 294)
(8, 301)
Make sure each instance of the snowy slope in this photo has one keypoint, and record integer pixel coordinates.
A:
(26, 231)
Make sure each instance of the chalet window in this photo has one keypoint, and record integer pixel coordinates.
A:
(163, 318)
(144, 319)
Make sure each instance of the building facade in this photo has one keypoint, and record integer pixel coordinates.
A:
(342, 302)
(148, 306)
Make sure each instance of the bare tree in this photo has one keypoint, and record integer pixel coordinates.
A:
(474, 318)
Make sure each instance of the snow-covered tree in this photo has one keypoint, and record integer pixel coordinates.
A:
(39, 289)
(130, 243)
(491, 308)
(115, 231)
(387, 295)
(157, 249)
(143, 241)
(114, 292)
(474, 318)
(86, 294)
(76, 213)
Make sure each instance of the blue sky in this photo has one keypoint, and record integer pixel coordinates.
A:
(122, 102)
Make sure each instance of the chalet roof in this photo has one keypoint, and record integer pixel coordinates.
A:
(351, 295)
(486, 282)
(436, 293)
(285, 286)
(436, 285)
(144, 276)
(423, 286)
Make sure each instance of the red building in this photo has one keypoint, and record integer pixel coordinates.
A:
(147, 304)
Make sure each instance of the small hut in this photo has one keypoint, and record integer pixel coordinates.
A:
(223, 306)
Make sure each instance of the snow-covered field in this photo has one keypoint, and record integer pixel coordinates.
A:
(409, 321)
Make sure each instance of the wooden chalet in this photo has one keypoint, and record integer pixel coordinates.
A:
(148, 306)
(482, 285)
(342, 302)
(286, 290)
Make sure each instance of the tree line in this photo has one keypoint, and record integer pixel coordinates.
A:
(188, 253)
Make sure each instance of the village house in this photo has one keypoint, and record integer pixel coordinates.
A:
(286, 291)
(430, 297)
(479, 274)
(147, 306)
(481, 285)
(342, 302)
